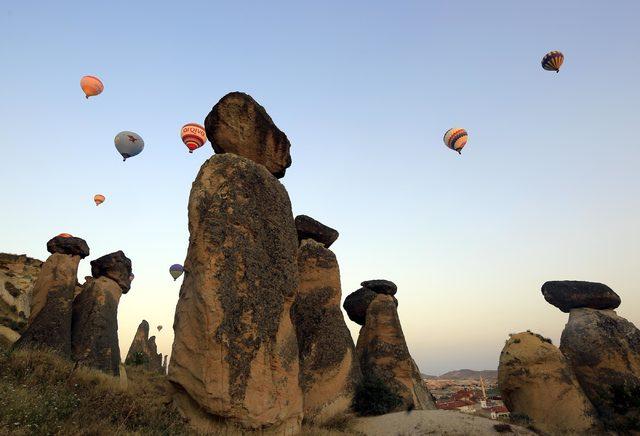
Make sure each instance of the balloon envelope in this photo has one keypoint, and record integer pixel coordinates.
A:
(455, 139)
(65, 235)
(193, 136)
(159, 327)
(176, 271)
(552, 61)
(91, 86)
(128, 144)
(99, 199)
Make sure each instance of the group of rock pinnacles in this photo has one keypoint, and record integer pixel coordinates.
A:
(260, 338)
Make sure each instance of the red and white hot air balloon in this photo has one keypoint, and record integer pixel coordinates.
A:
(193, 136)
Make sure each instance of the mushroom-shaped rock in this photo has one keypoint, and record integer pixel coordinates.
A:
(357, 302)
(567, 295)
(68, 245)
(308, 228)
(381, 286)
(115, 266)
(604, 352)
(536, 381)
(238, 124)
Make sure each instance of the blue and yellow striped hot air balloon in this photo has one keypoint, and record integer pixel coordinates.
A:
(552, 61)
(456, 139)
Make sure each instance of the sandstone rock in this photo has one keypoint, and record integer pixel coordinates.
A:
(115, 266)
(603, 350)
(535, 380)
(382, 352)
(165, 364)
(70, 245)
(308, 228)
(238, 124)
(567, 295)
(18, 275)
(235, 353)
(357, 302)
(143, 350)
(123, 379)
(94, 329)
(381, 286)
(329, 370)
(51, 309)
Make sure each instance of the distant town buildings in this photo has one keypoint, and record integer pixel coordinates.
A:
(475, 397)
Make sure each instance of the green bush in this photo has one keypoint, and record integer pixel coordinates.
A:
(373, 397)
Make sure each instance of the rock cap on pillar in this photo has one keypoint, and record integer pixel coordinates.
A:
(357, 302)
(68, 245)
(238, 124)
(381, 286)
(308, 228)
(115, 266)
(567, 295)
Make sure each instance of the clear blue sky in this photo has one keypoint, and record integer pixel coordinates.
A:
(547, 188)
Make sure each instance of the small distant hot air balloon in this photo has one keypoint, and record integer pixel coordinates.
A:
(176, 271)
(193, 136)
(65, 235)
(131, 277)
(91, 86)
(99, 199)
(552, 61)
(159, 328)
(456, 139)
(128, 144)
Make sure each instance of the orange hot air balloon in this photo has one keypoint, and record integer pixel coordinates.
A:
(193, 136)
(65, 235)
(99, 199)
(91, 86)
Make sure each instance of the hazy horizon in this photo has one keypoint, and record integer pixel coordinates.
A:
(547, 188)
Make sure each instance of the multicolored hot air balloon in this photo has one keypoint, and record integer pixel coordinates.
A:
(128, 144)
(65, 235)
(159, 328)
(456, 139)
(99, 199)
(91, 86)
(193, 136)
(176, 271)
(552, 61)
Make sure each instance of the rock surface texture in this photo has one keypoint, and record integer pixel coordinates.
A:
(18, 275)
(94, 333)
(329, 370)
(308, 228)
(238, 124)
(143, 350)
(115, 266)
(604, 352)
(567, 295)
(51, 306)
(235, 353)
(535, 380)
(382, 352)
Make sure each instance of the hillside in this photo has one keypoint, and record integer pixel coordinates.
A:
(464, 374)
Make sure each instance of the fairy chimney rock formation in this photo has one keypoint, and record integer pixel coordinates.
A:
(143, 350)
(18, 275)
(567, 295)
(329, 371)
(536, 380)
(357, 303)
(238, 124)
(235, 352)
(603, 350)
(308, 228)
(383, 353)
(52, 297)
(94, 333)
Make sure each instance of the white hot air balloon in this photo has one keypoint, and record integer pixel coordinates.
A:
(128, 144)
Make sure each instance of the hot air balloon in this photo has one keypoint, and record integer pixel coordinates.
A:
(176, 271)
(99, 199)
(193, 136)
(65, 235)
(128, 144)
(159, 328)
(131, 277)
(552, 61)
(91, 86)
(456, 139)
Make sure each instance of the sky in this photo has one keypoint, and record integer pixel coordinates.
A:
(548, 187)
